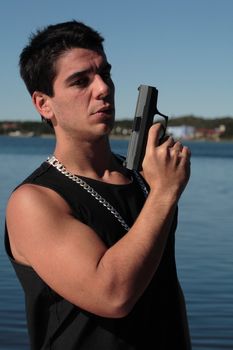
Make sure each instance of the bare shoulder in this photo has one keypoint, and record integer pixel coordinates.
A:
(30, 197)
(28, 207)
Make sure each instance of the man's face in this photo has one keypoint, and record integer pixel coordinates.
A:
(83, 101)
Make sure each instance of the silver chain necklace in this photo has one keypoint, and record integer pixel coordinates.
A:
(60, 167)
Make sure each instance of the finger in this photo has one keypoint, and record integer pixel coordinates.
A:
(153, 135)
(169, 142)
(180, 154)
(180, 150)
(186, 152)
(175, 155)
(185, 155)
(178, 146)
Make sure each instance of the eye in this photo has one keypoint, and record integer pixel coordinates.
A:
(81, 82)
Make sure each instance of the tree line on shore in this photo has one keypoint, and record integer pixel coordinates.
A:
(37, 128)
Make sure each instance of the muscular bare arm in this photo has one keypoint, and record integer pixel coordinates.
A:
(72, 259)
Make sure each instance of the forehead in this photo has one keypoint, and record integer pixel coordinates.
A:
(79, 59)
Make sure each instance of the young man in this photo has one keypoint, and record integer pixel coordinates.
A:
(93, 243)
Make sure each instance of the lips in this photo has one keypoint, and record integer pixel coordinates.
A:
(106, 109)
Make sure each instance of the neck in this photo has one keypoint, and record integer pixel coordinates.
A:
(90, 159)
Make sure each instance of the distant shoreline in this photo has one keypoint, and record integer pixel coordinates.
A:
(119, 138)
(188, 128)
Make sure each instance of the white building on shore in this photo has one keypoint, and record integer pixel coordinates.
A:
(181, 132)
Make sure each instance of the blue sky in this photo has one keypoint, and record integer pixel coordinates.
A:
(183, 47)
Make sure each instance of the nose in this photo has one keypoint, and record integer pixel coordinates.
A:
(102, 88)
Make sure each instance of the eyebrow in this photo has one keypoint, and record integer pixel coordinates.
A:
(79, 74)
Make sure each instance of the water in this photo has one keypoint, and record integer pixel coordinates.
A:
(204, 241)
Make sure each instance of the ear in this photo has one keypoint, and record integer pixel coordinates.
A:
(41, 102)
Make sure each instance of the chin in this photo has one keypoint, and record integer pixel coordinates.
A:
(104, 131)
(106, 125)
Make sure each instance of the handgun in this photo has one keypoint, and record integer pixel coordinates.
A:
(146, 108)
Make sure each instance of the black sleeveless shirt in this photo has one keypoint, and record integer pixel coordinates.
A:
(157, 321)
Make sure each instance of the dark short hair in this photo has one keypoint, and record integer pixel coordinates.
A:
(38, 58)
